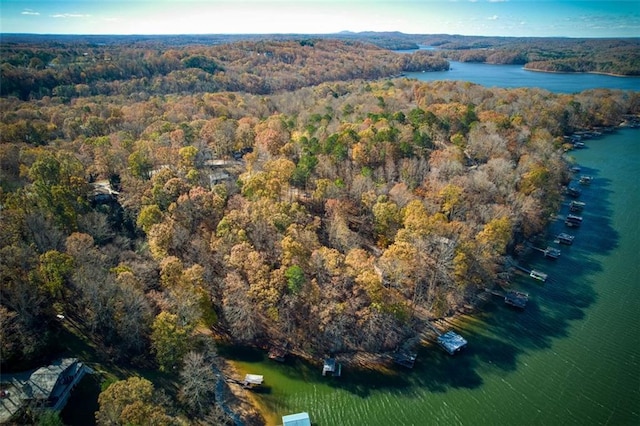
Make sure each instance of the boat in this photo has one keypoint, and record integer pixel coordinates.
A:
(574, 192)
(516, 299)
(451, 342)
(552, 253)
(564, 238)
(575, 169)
(537, 275)
(576, 206)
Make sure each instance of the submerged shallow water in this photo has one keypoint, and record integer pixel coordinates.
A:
(571, 357)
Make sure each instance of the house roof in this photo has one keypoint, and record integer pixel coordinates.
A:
(298, 419)
(42, 382)
(451, 341)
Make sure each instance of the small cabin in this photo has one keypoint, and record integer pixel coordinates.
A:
(252, 380)
(331, 367)
(298, 419)
(451, 342)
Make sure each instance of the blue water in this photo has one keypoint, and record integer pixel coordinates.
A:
(511, 76)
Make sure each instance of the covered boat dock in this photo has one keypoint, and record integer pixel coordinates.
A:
(451, 342)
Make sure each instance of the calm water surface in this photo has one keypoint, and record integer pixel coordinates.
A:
(572, 357)
(517, 76)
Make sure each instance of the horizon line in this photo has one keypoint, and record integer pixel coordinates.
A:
(343, 32)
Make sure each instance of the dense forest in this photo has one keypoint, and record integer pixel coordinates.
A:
(267, 192)
(66, 69)
(610, 56)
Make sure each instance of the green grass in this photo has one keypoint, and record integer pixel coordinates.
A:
(83, 403)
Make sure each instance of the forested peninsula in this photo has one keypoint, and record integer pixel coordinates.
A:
(156, 198)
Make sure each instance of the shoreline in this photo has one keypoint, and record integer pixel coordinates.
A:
(579, 72)
(247, 407)
(238, 403)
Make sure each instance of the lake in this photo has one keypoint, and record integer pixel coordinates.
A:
(516, 76)
(571, 357)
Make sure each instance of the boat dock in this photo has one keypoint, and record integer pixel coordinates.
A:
(576, 206)
(537, 275)
(585, 180)
(250, 381)
(573, 221)
(406, 359)
(516, 299)
(564, 238)
(331, 367)
(451, 342)
(513, 298)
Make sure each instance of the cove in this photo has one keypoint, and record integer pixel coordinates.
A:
(571, 357)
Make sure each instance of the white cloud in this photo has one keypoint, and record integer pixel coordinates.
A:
(30, 12)
(498, 1)
(69, 15)
(493, 18)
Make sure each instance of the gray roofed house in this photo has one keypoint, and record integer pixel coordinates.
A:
(49, 386)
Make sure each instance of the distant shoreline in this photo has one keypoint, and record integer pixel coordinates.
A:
(578, 72)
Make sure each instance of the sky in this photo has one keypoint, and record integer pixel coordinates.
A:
(526, 18)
